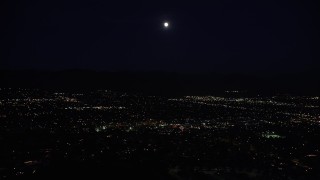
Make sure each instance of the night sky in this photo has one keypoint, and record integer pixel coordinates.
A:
(220, 36)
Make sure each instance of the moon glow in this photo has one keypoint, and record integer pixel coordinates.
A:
(166, 24)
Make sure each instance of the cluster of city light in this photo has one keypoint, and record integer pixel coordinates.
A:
(186, 119)
(93, 108)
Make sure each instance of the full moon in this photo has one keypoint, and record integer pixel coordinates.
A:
(166, 24)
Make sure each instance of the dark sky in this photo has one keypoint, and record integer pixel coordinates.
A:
(220, 36)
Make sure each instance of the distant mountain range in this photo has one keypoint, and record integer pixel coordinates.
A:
(164, 82)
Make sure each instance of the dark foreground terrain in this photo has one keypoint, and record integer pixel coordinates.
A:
(92, 134)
